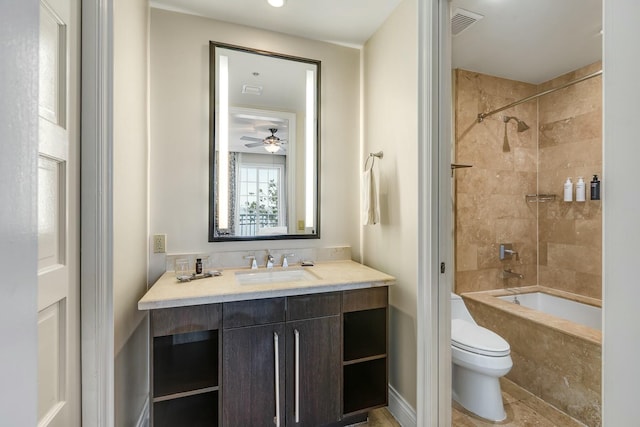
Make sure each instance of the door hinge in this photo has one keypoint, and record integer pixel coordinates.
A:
(443, 267)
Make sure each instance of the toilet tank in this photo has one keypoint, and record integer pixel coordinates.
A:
(459, 310)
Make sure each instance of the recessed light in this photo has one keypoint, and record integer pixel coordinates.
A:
(276, 3)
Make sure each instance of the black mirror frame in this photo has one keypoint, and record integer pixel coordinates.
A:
(212, 149)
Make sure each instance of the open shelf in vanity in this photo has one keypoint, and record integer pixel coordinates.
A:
(185, 369)
(365, 343)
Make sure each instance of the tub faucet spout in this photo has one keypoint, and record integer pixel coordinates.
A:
(507, 274)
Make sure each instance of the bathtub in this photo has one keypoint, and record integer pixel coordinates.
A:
(556, 344)
(574, 311)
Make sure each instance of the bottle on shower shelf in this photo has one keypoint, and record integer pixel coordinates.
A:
(568, 190)
(580, 190)
(595, 188)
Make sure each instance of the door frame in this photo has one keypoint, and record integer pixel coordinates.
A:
(96, 267)
(433, 403)
(434, 367)
(434, 214)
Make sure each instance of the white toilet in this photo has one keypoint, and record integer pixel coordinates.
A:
(479, 358)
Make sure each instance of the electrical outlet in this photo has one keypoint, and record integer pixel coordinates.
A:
(159, 243)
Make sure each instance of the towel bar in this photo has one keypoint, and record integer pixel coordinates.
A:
(379, 155)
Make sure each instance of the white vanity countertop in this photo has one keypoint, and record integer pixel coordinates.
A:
(329, 277)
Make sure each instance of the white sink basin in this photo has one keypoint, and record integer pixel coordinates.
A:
(274, 276)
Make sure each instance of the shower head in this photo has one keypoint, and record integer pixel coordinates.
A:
(522, 126)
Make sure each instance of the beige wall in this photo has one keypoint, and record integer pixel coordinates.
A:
(560, 243)
(180, 131)
(130, 205)
(179, 150)
(131, 377)
(390, 124)
(490, 201)
(571, 146)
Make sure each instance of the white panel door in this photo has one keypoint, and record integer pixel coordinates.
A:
(58, 219)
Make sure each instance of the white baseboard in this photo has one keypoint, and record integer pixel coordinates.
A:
(143, 419)
(401, 410)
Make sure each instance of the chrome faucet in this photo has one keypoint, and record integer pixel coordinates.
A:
(507, 274)
(254, 264)
(285, 262)
(269, 260)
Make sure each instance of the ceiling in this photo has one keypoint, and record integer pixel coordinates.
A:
(529, 40)
(345, 22)
(281, 84)
(526, 40)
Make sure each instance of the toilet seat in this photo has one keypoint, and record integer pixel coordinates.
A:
(476, 339)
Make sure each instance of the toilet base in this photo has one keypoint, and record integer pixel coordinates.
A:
(478, 393)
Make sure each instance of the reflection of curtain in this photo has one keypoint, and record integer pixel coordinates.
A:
(233, 166)
(233, 199)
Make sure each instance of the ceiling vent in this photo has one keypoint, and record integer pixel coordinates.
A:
(463, 19)
(252, 90)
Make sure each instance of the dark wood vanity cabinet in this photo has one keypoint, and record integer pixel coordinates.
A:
(313, 360)
(253, 362)
(249, 376)
(289, 367)
(304, 360)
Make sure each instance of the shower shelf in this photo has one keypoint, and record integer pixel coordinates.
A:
(540, 198)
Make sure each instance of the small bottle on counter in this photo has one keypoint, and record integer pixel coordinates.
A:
(568, 190)
(595, 188)
(580, 190)
(199, 266)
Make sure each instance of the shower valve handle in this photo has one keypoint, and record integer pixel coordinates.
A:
(506, 251)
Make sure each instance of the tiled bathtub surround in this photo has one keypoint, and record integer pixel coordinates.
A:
(555, 359)
(560, 243)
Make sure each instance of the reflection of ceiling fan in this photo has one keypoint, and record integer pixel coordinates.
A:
(271, 143)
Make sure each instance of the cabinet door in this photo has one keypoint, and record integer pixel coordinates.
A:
(313, 372)
(252, 375)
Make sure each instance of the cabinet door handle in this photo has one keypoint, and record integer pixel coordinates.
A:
(297, 377)
(276, 419)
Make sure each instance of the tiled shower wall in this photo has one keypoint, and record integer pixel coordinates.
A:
(564, 139)
(570, 145)
(490, 206)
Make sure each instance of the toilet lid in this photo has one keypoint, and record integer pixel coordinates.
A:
(477, 339)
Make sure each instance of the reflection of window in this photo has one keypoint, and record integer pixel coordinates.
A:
(259, 198)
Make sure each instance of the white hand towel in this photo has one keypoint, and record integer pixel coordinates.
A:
(370, 204)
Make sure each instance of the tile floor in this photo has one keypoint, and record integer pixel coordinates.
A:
(381, 418)
(523, 410)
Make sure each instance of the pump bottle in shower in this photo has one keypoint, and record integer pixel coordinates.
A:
(595, 188)
(580, 190)
(568, 190)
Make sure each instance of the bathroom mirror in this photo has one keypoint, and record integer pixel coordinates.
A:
(264, 145)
